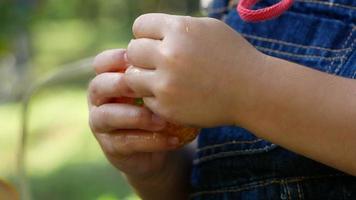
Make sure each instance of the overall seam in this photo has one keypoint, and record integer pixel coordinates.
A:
(293, 44)
(228, 143)
(283, 192)
(352, 46)
(299, 191)
(343, 46)
(232, 153)
(258, 184)
(354, 75)
(288, 191)
(327, 3)
(299, 55)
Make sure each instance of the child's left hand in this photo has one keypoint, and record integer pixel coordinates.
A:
(195, 71)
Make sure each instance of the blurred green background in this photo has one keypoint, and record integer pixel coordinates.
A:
(48, 45)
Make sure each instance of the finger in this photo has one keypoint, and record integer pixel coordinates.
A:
(140, 80)
(111, 117)
(143, 53)
(150, 26)
(130, 142)
(153, 105)
(106, 86)
(113, 60)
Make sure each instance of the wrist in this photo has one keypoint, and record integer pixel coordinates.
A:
(255, 88)
(173, 178)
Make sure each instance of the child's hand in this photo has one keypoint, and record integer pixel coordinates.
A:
(191, 70)
(124, 131)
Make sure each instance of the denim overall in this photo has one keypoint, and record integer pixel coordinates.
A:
(232, 163)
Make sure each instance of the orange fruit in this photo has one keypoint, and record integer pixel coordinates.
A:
(183, 133)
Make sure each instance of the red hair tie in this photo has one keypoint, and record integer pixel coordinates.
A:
(249, 15)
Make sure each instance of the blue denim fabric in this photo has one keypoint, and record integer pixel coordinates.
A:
(232, 163)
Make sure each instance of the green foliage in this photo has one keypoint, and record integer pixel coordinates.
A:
(65, 30)
(13, 18)
(64, 161)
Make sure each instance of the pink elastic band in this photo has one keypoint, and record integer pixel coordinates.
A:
(245, 12)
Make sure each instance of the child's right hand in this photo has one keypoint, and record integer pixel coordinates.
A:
(126, 132)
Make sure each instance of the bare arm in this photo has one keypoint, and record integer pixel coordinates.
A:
(306, 111)
(190, 76)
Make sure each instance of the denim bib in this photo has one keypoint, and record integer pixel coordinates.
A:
(232, 163)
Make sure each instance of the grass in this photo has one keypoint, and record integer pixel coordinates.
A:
(64, 161)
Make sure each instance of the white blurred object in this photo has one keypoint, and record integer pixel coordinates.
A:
(205, 3)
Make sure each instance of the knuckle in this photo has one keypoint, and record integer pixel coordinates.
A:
(139, 118)
(93, 121)
(171, 55)
(93, 86)
(130, 52)
(98, 60)
(101, 119)
(117, 83)
(96, 63)
(103, 115)
(129, 48)
(180, 24)
(138, 23)
(166, 87)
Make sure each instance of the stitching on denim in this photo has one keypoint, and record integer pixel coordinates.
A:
(232, 153)
(333, 62)
(354, 75)
(299, 192)
(299, 55)
(293, 44)
(327, 3)
(331, 4)
(352, 46)
(288, 191)
(283, 192)
(228, 143)
(258, 184)
(343, 46)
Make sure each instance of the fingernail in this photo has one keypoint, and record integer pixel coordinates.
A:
(173, 141)
(158, 120)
